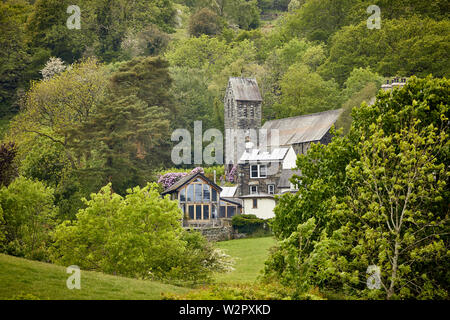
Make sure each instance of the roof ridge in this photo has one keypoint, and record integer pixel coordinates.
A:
(304, 115)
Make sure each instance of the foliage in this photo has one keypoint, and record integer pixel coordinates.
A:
(53, 107)
(259, 291)
(303, 92)
(248, 223)
(204, 21)
(126, 135)
(393, 49)
(29, 214)
(170, 178)
(138, 235)
(378, 196)
(13, 56)
(8, 167)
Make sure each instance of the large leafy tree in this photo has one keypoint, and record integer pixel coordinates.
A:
(127, 137)
(378, 196)
(304, 91)
(53, 107)
(29, 215)
(13, 56)
(139, 235)
(390, 50)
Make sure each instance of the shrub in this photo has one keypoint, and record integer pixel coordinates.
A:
(250, 224)
(204, 21)
(29, 216)
(139, 235)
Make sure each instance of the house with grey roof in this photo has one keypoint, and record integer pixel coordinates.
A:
(266, 170)
(200, 200)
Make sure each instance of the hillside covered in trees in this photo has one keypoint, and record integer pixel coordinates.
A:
(95, 106)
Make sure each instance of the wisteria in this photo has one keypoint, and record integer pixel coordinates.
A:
(169, 179)
(231, 175)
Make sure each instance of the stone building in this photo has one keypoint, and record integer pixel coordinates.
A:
(242, 112)
(264, 168)
(199, 199)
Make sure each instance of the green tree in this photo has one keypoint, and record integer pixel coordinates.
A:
(13, 56)
(139, 235)
(127, 137)
(8, 166)
(303, 92)
(53, 107)
(29, 214)
(378, 196)
(204, 21)
(391, 50)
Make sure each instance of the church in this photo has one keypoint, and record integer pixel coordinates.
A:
(264, 156)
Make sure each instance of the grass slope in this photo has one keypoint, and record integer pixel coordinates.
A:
(250, 255)
(47, 281)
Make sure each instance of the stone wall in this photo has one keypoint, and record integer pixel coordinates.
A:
(215, 234)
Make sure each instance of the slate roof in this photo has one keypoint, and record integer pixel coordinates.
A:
(306, 128)
(245, 89)
(257, 195)
(187, 179)
(277, 154)
(286, 174)
(233, 200)
(228, 192)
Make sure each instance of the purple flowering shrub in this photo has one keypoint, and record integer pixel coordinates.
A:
(170, 178)
(231, 175)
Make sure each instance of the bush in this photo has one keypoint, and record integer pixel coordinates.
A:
(139, 235)
(29, 216)
(204, 21)
(250, 224)
(257, 291)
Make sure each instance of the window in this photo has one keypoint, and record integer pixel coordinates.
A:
(254, 171)
(253, 189)
(183, 195)
(206, 193)
(206, 212)
(255, 203)
(223, 211)
(231, 211)
(191, 212)
(262, 171)
(258, 171)
(271, 189)
(198, 212)
(190, 193)
(214, 195)
(198, 192)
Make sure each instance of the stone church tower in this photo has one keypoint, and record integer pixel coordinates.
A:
(242, 108)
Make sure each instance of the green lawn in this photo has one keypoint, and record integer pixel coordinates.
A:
(250, 255)
(47, 281)
(19, 277)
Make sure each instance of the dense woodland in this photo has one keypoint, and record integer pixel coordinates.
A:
(91, 110)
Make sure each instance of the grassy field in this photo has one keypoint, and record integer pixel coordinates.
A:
(19, 277)
(250, 255)
(47, 281)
